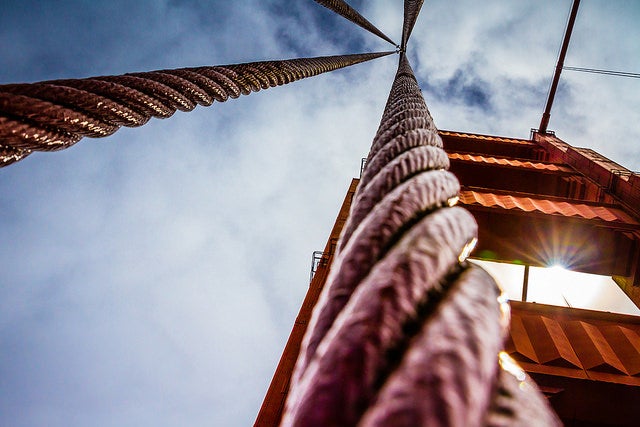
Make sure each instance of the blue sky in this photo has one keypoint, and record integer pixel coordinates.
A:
(152, 277)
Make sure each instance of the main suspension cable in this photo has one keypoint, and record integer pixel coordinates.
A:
(53, 115)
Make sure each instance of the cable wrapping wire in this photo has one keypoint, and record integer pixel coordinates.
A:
(53, 115)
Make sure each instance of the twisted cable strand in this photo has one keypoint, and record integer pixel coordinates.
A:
(229, 87)
(22, 134)
(396, 147)
(404, 105)
(406, 204)
(90, 103)
(398, 129)
(134, 99)
(210, 87)
(246, 82)
(429, 387)
(341, 380)
(517, 401)
(53, 115)
(343, 9)
(401, 168)
(166, 94)
(191, 91)
(9, 155)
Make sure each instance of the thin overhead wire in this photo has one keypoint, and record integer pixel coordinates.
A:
(605, 72)
(53, 115)
(343, 9)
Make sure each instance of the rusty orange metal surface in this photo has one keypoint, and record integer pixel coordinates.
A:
(586, 362)
(501, 161)
(574, 342)
(545, 206)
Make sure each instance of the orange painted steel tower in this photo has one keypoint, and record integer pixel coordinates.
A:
(542, 202)
(539, 202)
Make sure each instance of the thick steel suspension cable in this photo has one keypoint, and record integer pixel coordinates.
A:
(53, 115)
(343, 9)
(406, 332)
